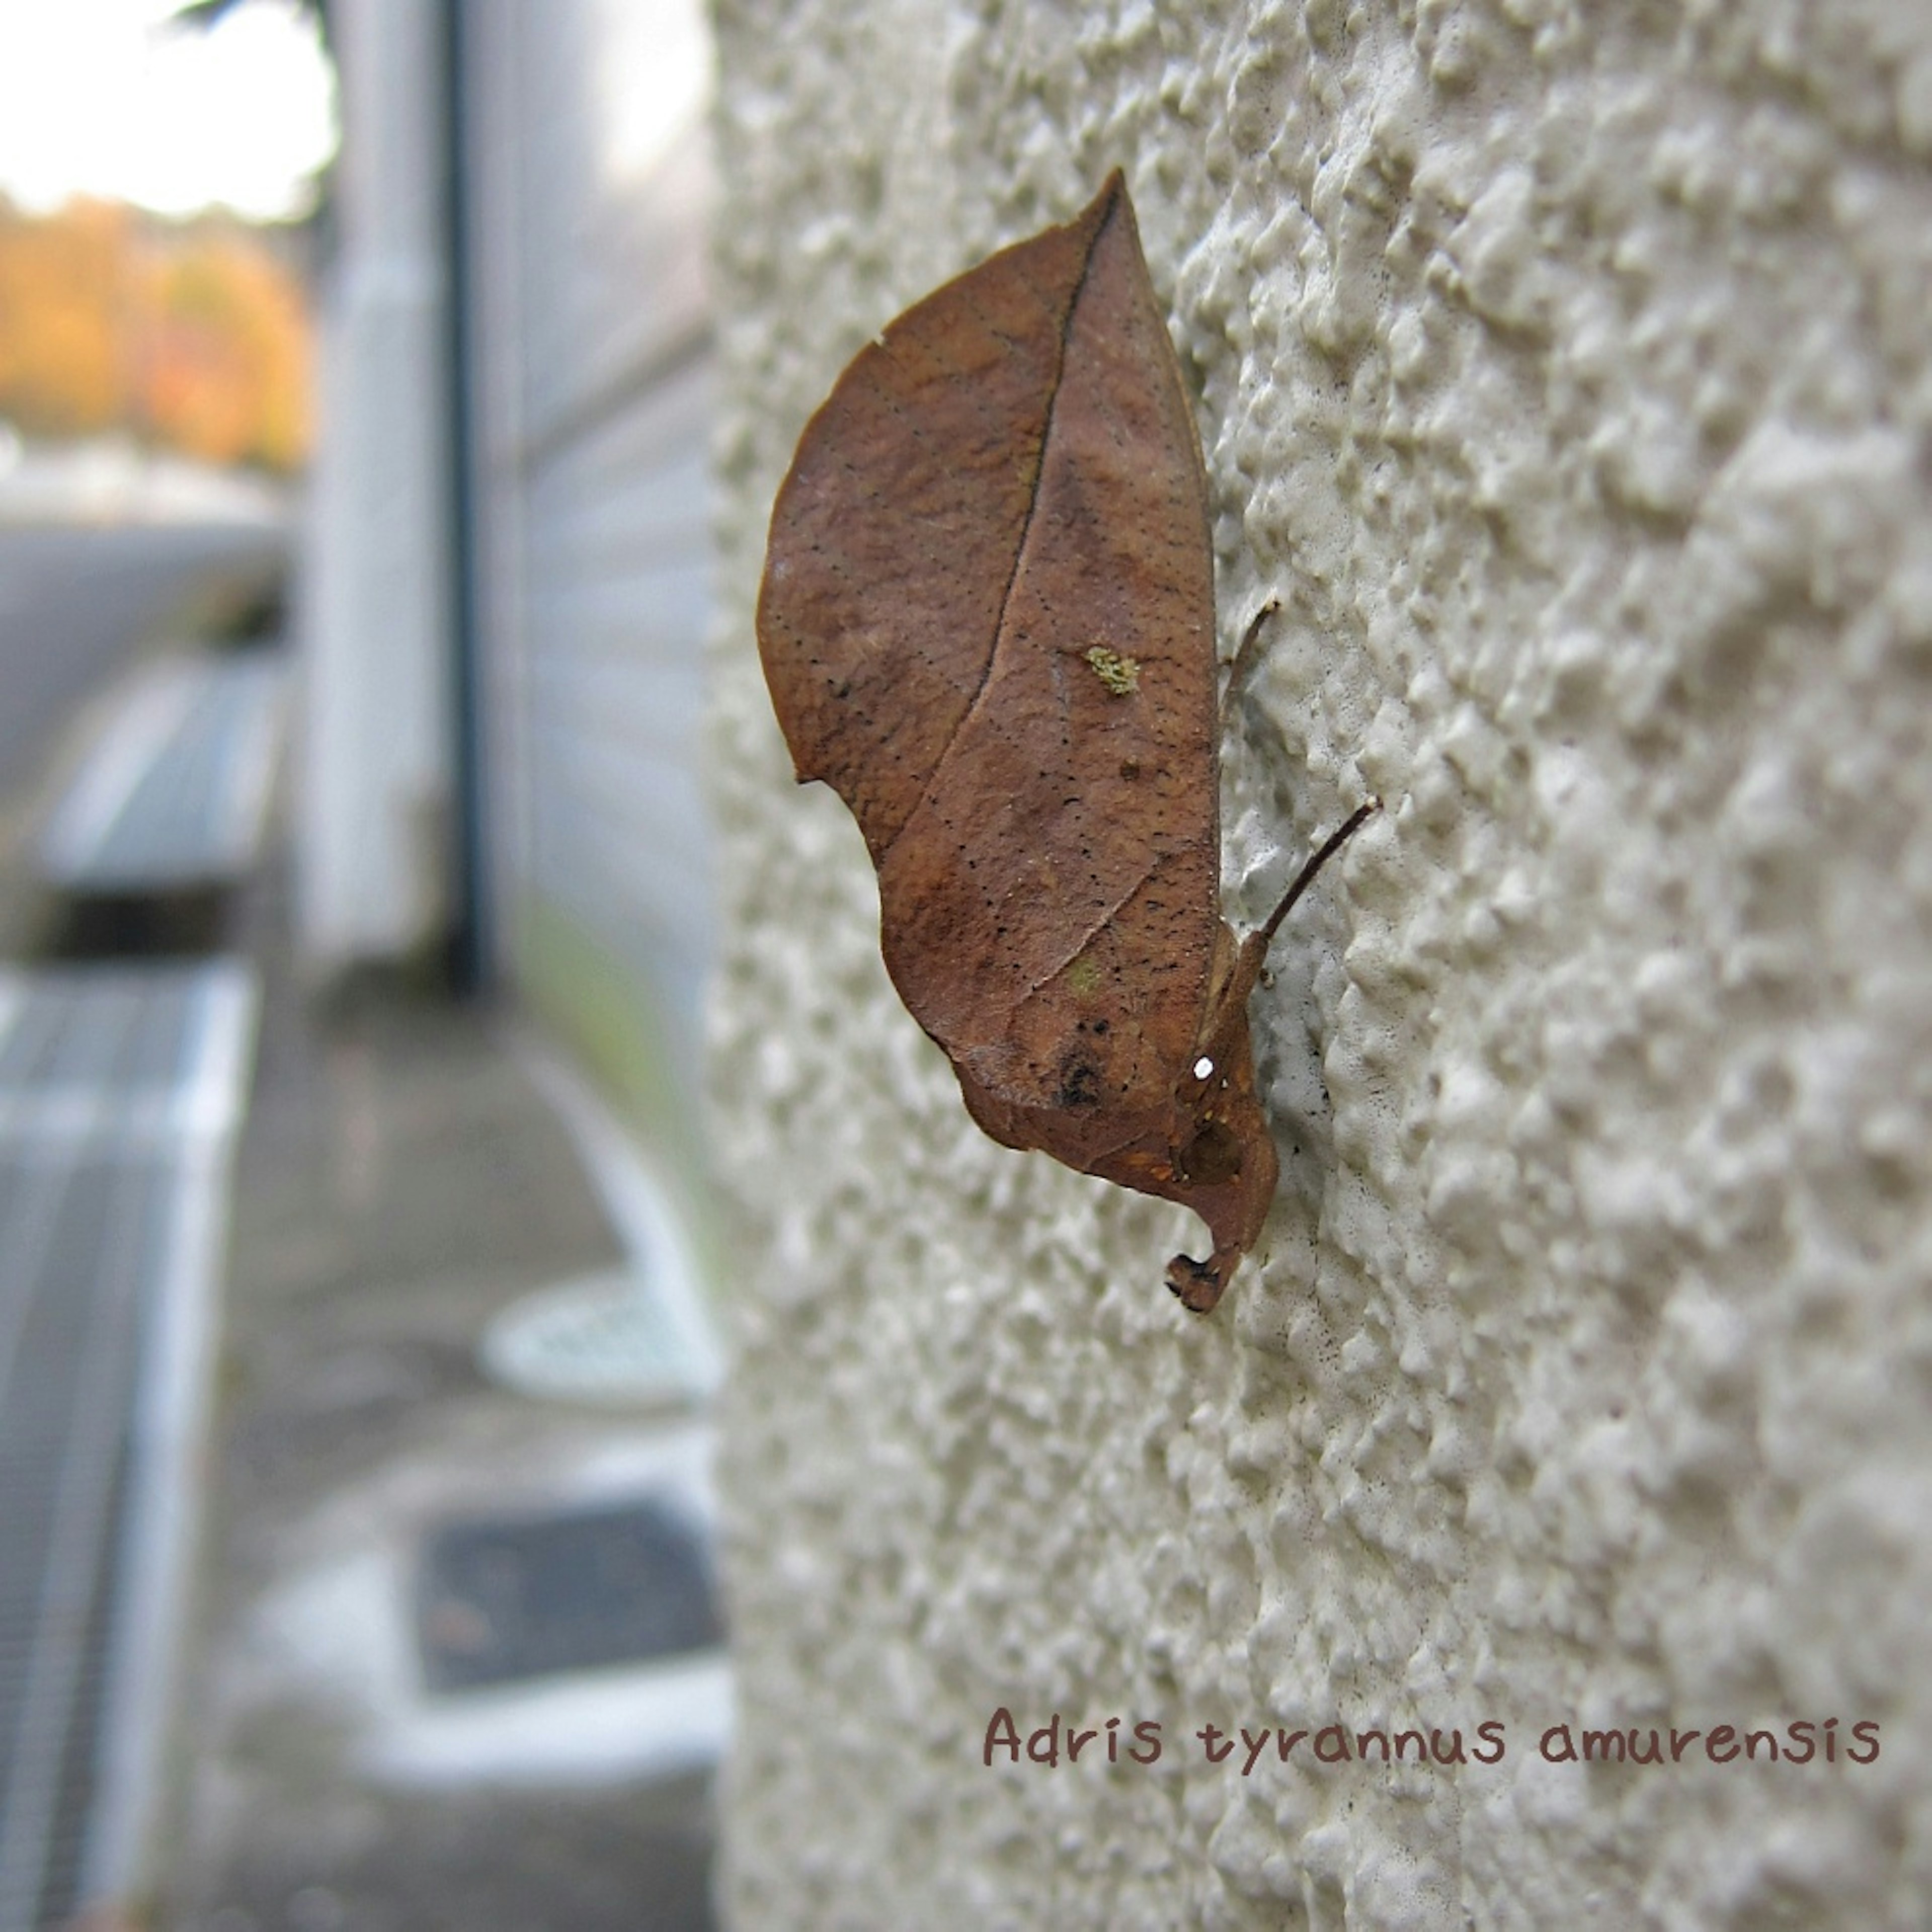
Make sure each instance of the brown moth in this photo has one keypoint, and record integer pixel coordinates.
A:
(987, 621)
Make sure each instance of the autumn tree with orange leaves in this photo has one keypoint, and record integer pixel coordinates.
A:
(193, 336)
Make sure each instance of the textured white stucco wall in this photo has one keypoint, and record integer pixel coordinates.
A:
(1565, 372)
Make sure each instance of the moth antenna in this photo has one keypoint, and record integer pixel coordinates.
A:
(1265, 932)
(1240, 665)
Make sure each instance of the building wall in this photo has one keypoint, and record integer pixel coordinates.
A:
(1567, 373)
(588, 172)
(585, 179)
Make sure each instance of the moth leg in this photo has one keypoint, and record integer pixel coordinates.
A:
(1239, 666)
(1242, 661)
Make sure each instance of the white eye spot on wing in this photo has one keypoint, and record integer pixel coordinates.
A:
(1203, 1067)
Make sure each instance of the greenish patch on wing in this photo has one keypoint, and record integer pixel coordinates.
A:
(1120, 675)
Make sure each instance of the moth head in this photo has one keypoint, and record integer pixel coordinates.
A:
(1207, 1076)
(1210, 1154)
(1207, 1150)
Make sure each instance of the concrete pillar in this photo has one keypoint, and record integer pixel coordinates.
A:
(373, 730)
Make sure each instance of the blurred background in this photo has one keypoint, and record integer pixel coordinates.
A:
(357, 1268)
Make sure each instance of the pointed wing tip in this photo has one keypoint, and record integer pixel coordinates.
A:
(1112, 190)
(1112, 210)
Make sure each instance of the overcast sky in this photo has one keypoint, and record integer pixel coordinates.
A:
(102, 97)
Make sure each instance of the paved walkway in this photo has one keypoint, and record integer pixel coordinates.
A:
(401, 1180)
(378, 1517)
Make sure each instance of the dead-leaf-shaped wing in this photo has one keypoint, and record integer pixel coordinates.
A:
(987, 621)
